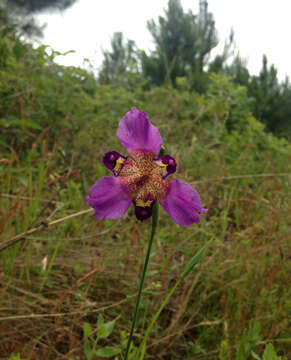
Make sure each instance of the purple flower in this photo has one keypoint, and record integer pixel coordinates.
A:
(141, 177)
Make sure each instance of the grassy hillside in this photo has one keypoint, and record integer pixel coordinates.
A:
(68, 271)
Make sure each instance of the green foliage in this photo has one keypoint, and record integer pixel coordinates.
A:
(38, 95)
(16, 357)
(270, 353)
(272, 105)
(248, 344)
(120, 65)
(181, 58)
(92, 338)
(271, 99)
(183, 44)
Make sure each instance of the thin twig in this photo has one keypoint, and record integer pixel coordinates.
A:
(167, 337)
(42, 226)
(75, 285)
(9, 196)
(70, 216)
(79, 312)
(89, 236)
(28, 293)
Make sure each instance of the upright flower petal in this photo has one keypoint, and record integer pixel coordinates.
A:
(182, 203)
(108, 198)
(137, 133)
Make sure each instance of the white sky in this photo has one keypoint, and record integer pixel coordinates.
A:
(260, 26)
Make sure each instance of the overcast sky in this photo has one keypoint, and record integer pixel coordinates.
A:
(260, 26)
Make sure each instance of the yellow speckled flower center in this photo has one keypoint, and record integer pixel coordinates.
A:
(143, 177)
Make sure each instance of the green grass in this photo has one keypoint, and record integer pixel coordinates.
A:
(62, 276)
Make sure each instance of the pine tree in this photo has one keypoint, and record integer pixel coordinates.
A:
(183, 44)
(118, 61)
(271, 99)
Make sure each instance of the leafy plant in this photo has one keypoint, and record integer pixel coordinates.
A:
(92, 337)
(248, 343)
(270, 353)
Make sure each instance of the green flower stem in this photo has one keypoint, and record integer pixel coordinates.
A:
(155, 219)
(188, 268)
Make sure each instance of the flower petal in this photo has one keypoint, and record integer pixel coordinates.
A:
(182, 203)
(137, 133)
(108, 198)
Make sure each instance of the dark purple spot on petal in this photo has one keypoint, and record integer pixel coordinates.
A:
(143, 213)
(110, 160)
(171, 164)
